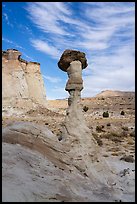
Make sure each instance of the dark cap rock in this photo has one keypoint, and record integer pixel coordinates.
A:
(71, 55)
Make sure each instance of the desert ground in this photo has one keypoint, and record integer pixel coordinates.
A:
(30, 176)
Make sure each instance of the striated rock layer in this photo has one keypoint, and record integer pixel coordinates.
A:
(75, 133)
(38, 167)
(21, 79)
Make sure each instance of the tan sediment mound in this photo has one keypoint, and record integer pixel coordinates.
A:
(110, 93)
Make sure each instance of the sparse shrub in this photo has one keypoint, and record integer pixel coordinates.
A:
(130, 141)
(122, 112)
(125, 128)
(90, 127)
(99, 128)
(114, 154)
(105, 155)
(132, 134)
(95, 135)
(124, 133)
(60, 137)
(105, 114)
(127, 158)
(114, 149)
(99, 141)
(111, 136)
(108, 124)
(85, 108)
(116, 139)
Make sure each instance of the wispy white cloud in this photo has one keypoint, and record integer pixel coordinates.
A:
(15, 45)
(11, 42)
(117, 73)
(105, 31)
(46, 16)
(24, 28)
(6, 40)
(52, 79)
(5, 15)
(82, 34)
(46, 48)
(109, 8)
(27, 56)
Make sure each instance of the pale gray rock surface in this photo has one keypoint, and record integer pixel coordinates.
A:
(75, 133)
(37, 167)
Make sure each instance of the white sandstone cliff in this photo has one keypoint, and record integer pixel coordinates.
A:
(21, 79)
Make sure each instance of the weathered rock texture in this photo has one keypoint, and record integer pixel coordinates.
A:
(71, 55)
(37, 167)
(21, 79)
(75, 81)
(74, 122)
(75, 133)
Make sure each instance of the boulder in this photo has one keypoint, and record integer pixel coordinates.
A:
(71, 55)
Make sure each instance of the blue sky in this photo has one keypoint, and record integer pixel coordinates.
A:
(105, 31)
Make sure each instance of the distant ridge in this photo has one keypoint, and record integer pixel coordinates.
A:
(110, 93)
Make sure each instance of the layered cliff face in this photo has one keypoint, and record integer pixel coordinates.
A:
(21, 79)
